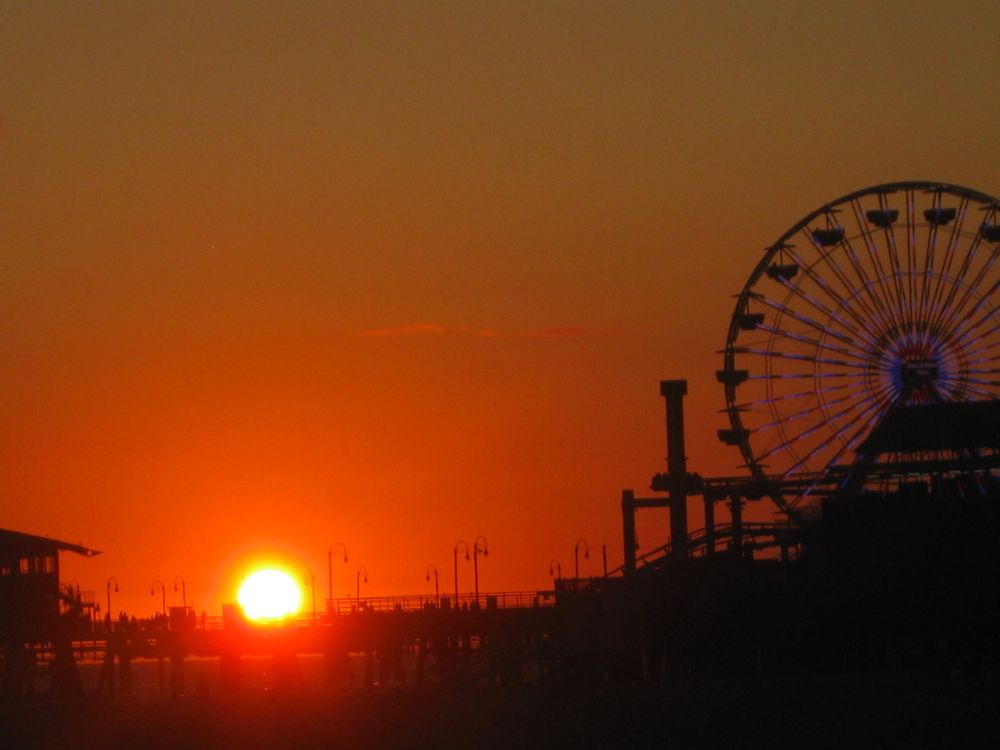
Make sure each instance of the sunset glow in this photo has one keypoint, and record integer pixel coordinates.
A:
(269, 594)
(399, 274)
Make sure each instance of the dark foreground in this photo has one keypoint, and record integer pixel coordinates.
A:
(898, 710)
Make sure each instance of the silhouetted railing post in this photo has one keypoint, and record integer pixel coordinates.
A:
(736, 508)
(709, 525)
(674, 391)
(628, 530)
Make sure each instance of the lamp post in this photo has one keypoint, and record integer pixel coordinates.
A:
(576, 556)
(437, 592)
(329, 572)
(112, 578)
(357, 581)
(462, 543)
(476, 552)
(555, 569)
(163, 593)
(184, 596)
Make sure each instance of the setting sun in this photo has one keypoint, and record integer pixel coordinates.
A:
(269, 594)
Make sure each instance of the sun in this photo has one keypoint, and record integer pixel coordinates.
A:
(269, 594)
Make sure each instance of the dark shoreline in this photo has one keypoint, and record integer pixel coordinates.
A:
(830, 711)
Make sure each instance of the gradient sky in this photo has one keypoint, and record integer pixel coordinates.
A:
(275, 275)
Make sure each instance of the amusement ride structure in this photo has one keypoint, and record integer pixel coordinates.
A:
(863, 355)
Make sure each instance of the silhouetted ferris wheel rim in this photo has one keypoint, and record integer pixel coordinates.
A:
(886, 295)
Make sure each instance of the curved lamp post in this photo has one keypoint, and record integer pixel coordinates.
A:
(112, 578)
(459, 543)
(184, 596)
(576, 556)
(437, 592)
(357, 581)
(476, 552)
(163, 593)
(329, 571)
(555, 569)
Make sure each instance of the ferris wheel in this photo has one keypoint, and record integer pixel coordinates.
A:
(882, 298)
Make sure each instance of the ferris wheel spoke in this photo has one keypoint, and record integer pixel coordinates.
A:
(804, 375)
(955, 233)
(948, 305)
(953, 242)
(958, 307)
(876, 289)
(831, 293)
(821, 446)
(810, 431)
(846, 445)
(859, 355)
(851, 330)
(967, 330)
(804, 320)
(986, 298)
(888, 292)
(980, 331)
(911, 254)
(790, 396)
(819, 407)
(894, 270)
(798, 357)
(986, 396)
(881, 311)
(788, 442)
(980, 381)
(829, 257)
(919, 276)
(926, 274)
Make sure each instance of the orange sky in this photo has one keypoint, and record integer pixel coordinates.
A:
(396, 274)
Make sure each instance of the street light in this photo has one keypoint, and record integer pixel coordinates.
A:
(476, 552)
(112, 578)
(555, 569)
(460, 542)
(576, 556)
(437, 593)
(184, 596)
(329, 571)
(357, 581)
(163, 593)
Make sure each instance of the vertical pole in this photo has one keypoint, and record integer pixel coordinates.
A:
(709, 525)
(456, 575)
(628, 530)
(674, 391)
(736, 508)
(604, 557)
(475, 568)
(329, 578)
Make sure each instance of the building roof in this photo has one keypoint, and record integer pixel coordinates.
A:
(950, 426)
(31, 544)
